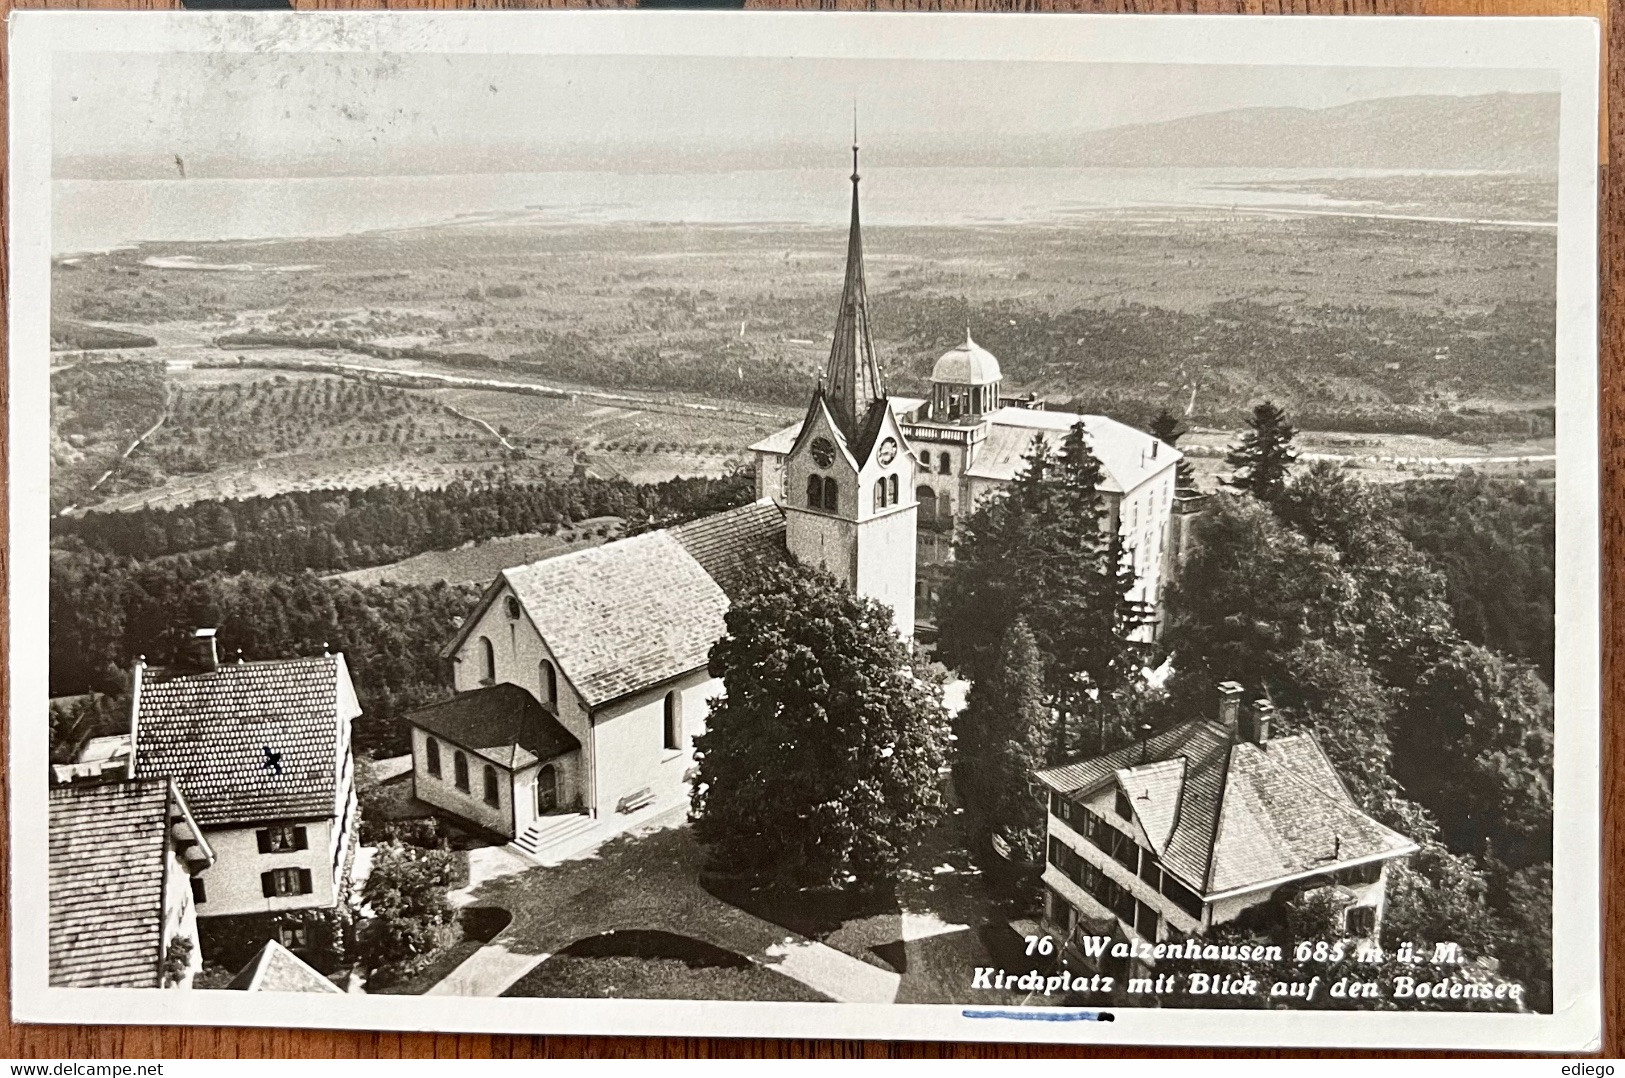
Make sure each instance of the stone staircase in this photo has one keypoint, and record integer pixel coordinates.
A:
(554, 836)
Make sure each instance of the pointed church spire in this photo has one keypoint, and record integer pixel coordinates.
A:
(852, 378)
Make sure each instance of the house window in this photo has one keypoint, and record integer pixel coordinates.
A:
(492, 796)
(880, 494)
(200, 894)
(674, 720)
(459, 767)
(488, 662)
(285, 882)
(832, 495)
(293, 936)
(550, 684)
(513, 607)
(431, 756)
(1124, 809)
(282, 839)
(1361, 920)
(944, 464)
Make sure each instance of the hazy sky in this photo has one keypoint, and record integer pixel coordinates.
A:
(358, 105)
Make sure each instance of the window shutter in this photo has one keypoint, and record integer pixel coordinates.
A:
(300, 842)
(264, 839)
(268, 882)
(304, 881)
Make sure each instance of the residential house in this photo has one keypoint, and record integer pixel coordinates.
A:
(1199, 824)
(123, 857)
(261, 750)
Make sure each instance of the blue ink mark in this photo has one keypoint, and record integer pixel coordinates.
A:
(1045, 1016)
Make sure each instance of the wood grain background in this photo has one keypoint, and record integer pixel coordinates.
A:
(91, 1042)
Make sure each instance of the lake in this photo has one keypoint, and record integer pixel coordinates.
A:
(97, 214)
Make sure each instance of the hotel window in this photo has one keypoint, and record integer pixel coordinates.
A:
(285, 882)
(492, 796)
(550, 684)
(281, 839)
(1145, 921)
(674, 720)
(431, 755)
(459, 768)
(488, 662)
(925, 459)
(944, 463)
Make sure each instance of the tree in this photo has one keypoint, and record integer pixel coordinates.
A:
(1263, 458)
(1040, 552)
(1491, 719)
(1250, 594)
(1166, 428)
(1005, 733)
(406, 890)
(821, 762)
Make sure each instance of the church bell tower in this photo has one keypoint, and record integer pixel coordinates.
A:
(849, 479)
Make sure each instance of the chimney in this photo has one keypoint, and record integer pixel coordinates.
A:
(1230, 707)
(1263, 710)
(205, 649)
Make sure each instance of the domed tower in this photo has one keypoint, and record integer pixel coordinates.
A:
(965, 382)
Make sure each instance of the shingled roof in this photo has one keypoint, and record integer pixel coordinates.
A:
(640, 611)
(727, 545)
(623, 616)
(109, 850)
(1229, 815)
(503, 723)
(274, 968)
(249, 741)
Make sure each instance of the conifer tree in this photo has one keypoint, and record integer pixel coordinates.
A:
(1041, 552)
(1004, 735)
(1165, 427)
(821, 762)
(1263, 458)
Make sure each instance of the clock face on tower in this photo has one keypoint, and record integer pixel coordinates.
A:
(823, 452)
(888, 451)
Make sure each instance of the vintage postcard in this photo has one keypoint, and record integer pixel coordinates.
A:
(1035, 528)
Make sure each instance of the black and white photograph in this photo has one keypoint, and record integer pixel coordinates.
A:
(650, 523)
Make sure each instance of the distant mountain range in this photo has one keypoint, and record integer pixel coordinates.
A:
(1503, 131)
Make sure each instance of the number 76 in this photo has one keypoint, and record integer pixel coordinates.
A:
(1040, 945)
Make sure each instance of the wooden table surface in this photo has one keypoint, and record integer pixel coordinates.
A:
(93, 1042)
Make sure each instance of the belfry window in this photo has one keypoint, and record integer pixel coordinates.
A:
(880, 494)
(891, 490)
(815, 491)
(832, 495)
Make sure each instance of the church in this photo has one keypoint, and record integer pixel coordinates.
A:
(581, 680)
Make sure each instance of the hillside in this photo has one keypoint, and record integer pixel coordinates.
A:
(1491, 131)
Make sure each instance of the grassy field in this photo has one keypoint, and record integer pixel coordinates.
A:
(478, 563)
